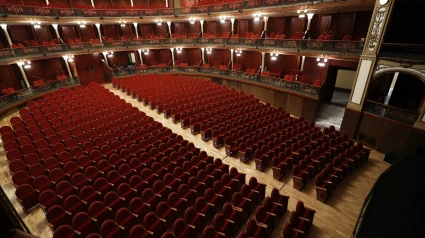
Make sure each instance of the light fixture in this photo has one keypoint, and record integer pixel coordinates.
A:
(273, 56)
(35, 23)
(322, 60)
(122, 22)
(209, 50)
(109, 54)
(145, 51)
(158, 22)
(68, 57)
(178, 50)
(192, 20)
(222, 19)
(25, 63)
(257, 16)
(82, 24)
(302, 12)
(238, 52)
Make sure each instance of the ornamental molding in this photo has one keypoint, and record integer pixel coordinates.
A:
(375, 32)
(381, 69)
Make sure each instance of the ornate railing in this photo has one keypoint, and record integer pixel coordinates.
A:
(278, 83)
(404, 51)
(10, 9)
(392, 113)
(339, 47)
(15, 98)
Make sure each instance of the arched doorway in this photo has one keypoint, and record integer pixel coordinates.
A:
(396, 95)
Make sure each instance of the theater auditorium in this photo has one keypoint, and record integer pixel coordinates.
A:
(212, 118)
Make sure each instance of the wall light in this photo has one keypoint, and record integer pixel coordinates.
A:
(192, 20)
(178, 50)
(82, 24)
(35, 23)
(257, 16)
(302, 12)
(122, 22)
(209, 50)
(222, 19)
(25, 63)
(158, 22)
(238, 52)
(322, 60)
(274, 55)
(145, 51)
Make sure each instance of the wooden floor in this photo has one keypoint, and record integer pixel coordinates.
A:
(336, 218)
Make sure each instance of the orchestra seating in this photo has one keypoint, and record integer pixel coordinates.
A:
(250, 129)
(102, 167)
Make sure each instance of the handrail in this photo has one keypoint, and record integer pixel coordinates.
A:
(277, 83)
(16, 9)
(410, 51)
(345, 47)
(389, 106)
(26, 94)
(392, 113)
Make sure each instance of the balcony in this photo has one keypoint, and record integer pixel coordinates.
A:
(402, 51)
(274, 83)
(22, 96)
(9, 9)
(391, 113)
(346, 48)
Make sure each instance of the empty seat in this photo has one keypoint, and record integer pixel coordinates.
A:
(83, 224)
(27, 197)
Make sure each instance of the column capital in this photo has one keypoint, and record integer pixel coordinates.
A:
(266, 18)
(55, 26)
(3, 26)
(168, 23)
(201, 21)
(232, 50)
(263, 53)
(97, 25)
(202, 49)
(171, 49)
(135, 24)
(232, 20)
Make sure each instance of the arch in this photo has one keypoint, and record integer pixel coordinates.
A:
(382, 69)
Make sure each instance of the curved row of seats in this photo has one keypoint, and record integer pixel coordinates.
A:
(250, 129)
(104, 167)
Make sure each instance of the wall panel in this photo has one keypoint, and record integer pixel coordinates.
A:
(8, 78)
(89, 68)
(44, 69)
(110, 31)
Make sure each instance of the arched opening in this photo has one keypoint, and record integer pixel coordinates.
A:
(396, 95)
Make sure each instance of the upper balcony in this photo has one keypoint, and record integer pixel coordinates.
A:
(403, 52)
(342, 48)
(222, 6)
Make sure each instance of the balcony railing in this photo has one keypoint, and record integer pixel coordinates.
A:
(404, 51)
(392, 113)
(330, 47)
(13, 99)
(277, 83)
(10, 9)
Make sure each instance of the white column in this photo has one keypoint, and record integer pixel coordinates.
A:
(135, 28)
(140, 56)
(203, 56)
(390, 91)
(202, 27)
(4, 27)
(302, 62)
(55, 26)
(92, 3)
(131, 2)
(233, 25)
(105, 57)
(98, 31)
(47, 2)
(23, 74)
(231, 56)
(169, 28)
(65, 57)
(265, 23)
(263, 55)
(172, 55)
(309, 17)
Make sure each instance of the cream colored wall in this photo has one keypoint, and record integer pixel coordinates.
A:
(345, 78)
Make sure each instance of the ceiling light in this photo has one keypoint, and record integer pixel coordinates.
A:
(36, 24)
(209, 51)
(257, 16)
(222, 19)
(82, 24)
(179, 50)
(145, 51)
(273, 56)
(322, 60)
(192, 20)
(122, 22)
(158, 22)
(238, 52)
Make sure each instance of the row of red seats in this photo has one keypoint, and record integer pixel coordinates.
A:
(66, 177)
(213, 2)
